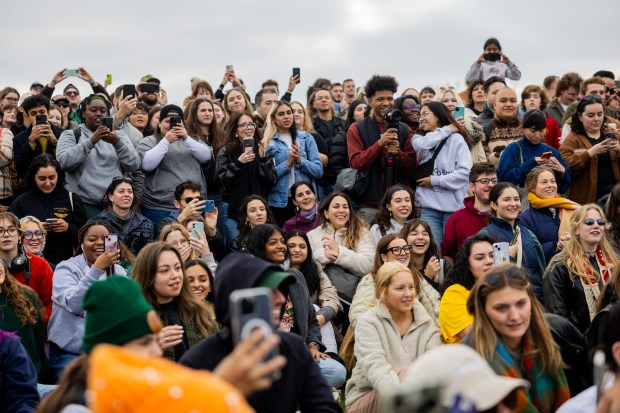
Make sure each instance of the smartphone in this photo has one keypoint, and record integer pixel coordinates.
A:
(492, 57)
(459, 112)
(129, 90)
(500, 253)
(108, 122)
(108, 78)
(72, 72)
(296, 72)
(149, 88)
(196, 228)
(545, 155)
(209, 206)
(248, 144)
(175, 121)
(110, 241)
(51, 220)
(41, 119)
(250, 309)
(229, 69)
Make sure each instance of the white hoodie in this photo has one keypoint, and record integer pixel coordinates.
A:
(450, 173)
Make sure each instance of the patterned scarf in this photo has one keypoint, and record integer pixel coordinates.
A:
(592, 285)
(546, 393)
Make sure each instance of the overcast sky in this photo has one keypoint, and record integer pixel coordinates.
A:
(419, 42)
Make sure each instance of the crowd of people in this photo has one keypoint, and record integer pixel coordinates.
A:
(454, 247)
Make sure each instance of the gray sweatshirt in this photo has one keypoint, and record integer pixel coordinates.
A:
(72, 278)
(90, 168)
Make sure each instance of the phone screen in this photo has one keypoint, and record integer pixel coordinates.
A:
(111, 241)
(296, 72)
(248, 144)
(109, 122)
(129, 90)
(41, 119)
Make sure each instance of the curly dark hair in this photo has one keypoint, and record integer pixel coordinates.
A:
(378, 82)
(43, 161)
(382, 219)
(470, 90)
(460, 273)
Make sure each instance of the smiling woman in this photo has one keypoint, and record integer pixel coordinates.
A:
(61, 212)
(577, 275)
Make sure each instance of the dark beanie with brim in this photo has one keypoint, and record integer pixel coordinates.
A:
(534, 119)
(117, 313)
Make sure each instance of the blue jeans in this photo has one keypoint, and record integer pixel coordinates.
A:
(232, 230)
(58, 360)
(333, 372)
(437, 221)
(156, 216)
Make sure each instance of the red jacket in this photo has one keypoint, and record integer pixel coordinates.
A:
(553, 133)
(461, 225)
(40, 281)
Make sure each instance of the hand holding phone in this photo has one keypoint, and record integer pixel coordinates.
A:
(72, 72)
(248, 145)
(129, 90)
(500, 253)
(41, 120)
(459, 112)
(198, 227)
(111, 242)
(296, 72)
(546, 155)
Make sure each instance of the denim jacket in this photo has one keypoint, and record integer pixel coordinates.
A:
(309, 169)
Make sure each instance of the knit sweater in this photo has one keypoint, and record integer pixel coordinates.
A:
(461, 225)
(502, 134)
(584, 168)
(450, 170)
(357, 261)
(364, 300)
(379, 349)
(519, 158)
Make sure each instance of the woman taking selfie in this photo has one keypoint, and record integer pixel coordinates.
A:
(577, 275)
(396, 208)
(510, 331)
(61, 212)
(253, 211)
(299, 316)
(548, 212)
(341, 240)
(388, 338)
(186, 319)
(524, 248)
(133, 229)
(591, 152)
(306, 208)
(242, 172)
(472, 262)
(442, 186)
(295, 155)
(91, 263)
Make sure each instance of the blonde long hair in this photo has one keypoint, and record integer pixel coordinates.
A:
(573, 255)
(384, 278)
(484, 336)
(175, 226)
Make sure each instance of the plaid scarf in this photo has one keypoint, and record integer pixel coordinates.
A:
(546, 393)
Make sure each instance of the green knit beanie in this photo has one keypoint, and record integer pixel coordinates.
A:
(116, 313)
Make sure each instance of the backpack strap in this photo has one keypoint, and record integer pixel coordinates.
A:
(71, 200)
(77, 132)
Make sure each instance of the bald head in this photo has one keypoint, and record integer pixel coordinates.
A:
(506, 105)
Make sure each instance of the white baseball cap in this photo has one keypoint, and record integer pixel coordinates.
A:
(460, 372)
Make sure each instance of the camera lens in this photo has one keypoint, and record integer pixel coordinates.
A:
(247, 306)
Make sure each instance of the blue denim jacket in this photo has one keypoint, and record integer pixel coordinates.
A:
(309, 169)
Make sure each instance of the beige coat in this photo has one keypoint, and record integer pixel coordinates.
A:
(364, 300)
(379, 349)
(357, 261)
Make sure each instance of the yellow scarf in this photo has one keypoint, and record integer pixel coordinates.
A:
(566, 208)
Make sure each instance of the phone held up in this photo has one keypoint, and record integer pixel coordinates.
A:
(72, 72)
(149, 88)
(110, 241)
(297, 72)
(248, 145)
(250, 309)
(500, 253)
(546, 155)
(175, 121)
(459, 112)
(108, 122)
(129, 90)
(197, 227)
(41, 120)
(492, 57)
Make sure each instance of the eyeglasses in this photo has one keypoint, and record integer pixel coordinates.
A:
(486, 181)
(190, 199)
(72, 93)
(246, 125)
(591, 221)
(424, 114)
(11, 230)
(406, 249)
(62, 105)
(14, 100)
(412, 107)
(38, 234)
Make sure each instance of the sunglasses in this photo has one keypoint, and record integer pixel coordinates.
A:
(123, 179)
(62, 105)
(511, 271)
(412, 107)
(72, 93)
(190, 199)
(591, 99)
(591, 221)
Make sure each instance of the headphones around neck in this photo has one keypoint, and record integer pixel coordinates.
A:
(19, 263)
